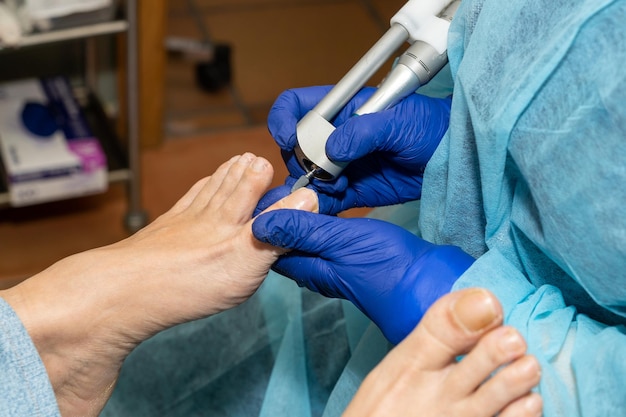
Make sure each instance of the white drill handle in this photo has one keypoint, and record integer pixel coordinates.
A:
(421, 19)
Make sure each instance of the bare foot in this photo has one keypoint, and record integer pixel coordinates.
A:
(87, 312)
(421, 376)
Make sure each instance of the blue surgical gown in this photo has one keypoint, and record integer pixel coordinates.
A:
(530, 179)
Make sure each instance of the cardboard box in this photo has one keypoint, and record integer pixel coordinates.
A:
(38, 168)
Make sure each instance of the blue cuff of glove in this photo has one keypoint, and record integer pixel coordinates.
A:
(445, 264)
(426, 281)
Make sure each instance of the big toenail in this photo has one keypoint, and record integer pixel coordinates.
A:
(259, 165)
(475, 310)
(305, 199)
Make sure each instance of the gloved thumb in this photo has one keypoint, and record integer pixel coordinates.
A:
(359, 136)
(300, 230)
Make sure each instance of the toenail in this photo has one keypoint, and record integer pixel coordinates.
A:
(511, 342)
(533, 404)
(530, 366)
(475, 310)
(259, 165)
(307, 200)
(246, 158)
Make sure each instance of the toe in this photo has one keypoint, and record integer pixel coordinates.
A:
(203, 196)
(511, 383)
(451, 327)
(495, 349)
(240, 197)
(530, 405)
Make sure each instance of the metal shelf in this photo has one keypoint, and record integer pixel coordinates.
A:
(81, 32)
(123, 165)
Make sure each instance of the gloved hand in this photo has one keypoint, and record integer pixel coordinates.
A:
(388, 150)
(390, 274)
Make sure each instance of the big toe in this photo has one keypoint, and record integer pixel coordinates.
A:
(452, 326)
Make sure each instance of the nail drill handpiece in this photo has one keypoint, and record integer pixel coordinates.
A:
(425, 24)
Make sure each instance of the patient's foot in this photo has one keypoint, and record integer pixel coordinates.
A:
(87, 312)
(422, 377)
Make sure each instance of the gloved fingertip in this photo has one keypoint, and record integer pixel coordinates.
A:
(261, 228)
(284, 266)
(283, 134)
(358, 137)
(339, 146)
(275, 228)
(337, 186)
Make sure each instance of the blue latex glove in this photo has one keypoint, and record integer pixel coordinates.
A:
(388, 150)
(390, 274)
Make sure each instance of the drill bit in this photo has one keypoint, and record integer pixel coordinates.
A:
(304, 180)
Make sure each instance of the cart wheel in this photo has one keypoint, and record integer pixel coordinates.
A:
(216, 74)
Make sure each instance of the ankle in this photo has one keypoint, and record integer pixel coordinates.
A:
(64, 322)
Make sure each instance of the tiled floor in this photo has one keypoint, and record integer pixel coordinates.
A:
(277, 44)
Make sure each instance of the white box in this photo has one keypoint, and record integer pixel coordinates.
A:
(48, 9)
(69, 163)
